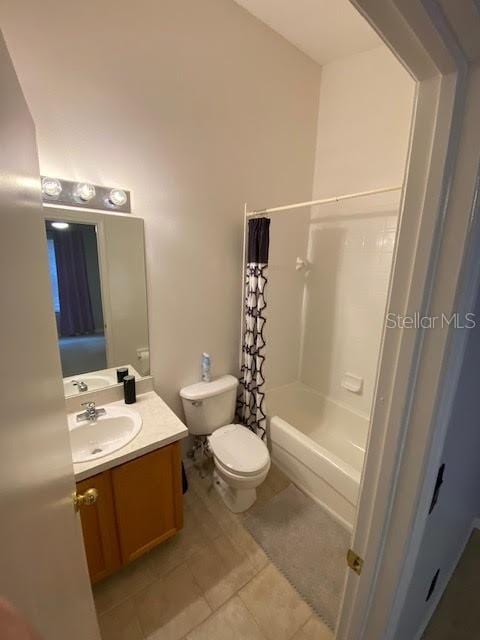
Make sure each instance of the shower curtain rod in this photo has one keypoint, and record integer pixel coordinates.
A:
(298, 205)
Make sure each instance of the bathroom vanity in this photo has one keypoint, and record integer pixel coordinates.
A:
(131, 500)
(127, 458)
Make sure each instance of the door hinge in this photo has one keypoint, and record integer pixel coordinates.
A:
(354, 561)
(436, 489)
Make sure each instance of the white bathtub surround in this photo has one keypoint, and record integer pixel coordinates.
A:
(325, 322)
(288, 240)
(320, 445)
(350, 252)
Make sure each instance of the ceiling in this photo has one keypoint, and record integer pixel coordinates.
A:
(323, 29)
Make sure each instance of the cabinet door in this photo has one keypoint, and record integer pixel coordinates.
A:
(99, 528)
(148, 500)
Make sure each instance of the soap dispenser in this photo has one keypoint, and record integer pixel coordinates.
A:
(129, 390)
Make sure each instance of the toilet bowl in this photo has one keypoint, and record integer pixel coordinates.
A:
(241, 458)
(242, 462)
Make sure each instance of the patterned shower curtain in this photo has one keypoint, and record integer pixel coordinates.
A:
(251, 409)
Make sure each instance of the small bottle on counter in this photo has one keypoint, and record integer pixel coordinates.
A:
(121, 373)
(129, 390)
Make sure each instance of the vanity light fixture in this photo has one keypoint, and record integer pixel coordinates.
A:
(117, 197)
(60, 225)
(51, 187)
(85, 195)
(84, 191)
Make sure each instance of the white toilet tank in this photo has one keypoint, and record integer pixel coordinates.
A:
(209, 405)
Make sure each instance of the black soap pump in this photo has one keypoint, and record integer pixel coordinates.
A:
(129, 391)
(121, 373)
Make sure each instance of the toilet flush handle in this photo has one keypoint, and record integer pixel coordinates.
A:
(197, 403)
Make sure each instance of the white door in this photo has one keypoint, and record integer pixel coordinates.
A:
(42, 561)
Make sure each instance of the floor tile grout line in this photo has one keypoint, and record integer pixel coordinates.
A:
(123, 600)
(213, 613)
(144, 634)
(255, 617)
(136, 592)
(251, 566)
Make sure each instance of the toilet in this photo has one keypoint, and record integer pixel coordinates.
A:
(241, 458)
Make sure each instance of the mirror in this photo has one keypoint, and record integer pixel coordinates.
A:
(97, 272)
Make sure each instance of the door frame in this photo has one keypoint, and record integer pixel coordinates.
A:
(410, 413)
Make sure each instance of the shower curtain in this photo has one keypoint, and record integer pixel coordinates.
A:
(251, 410)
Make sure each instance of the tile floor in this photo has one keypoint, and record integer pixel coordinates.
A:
(210, 581)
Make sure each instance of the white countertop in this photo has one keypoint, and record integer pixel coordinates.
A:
(160, 426)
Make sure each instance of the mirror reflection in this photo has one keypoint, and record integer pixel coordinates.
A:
(97, 273)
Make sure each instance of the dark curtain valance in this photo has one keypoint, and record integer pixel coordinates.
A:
(258, 240)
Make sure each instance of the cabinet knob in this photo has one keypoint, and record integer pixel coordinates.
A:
(85, 499)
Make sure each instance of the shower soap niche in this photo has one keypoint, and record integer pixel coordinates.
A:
(352, 383)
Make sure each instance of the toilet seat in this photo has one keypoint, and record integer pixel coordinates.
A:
(239, 451)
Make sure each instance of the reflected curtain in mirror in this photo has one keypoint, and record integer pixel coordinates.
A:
(76, 312)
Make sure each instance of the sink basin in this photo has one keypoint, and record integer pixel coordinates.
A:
(92, 380)
(109, 433)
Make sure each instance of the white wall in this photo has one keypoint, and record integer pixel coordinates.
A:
(195, 106)
(363, 124)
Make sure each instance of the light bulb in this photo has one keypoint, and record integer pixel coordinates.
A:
(60, 225)
(51, 187)
(84, 191)
(117, 197)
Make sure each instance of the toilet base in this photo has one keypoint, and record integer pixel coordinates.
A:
(237, 500)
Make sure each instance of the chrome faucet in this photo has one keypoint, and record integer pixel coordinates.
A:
(91, 413)
(82, 386)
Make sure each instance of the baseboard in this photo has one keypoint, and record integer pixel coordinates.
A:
(438, 594)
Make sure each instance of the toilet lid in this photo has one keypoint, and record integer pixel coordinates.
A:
(239, 449)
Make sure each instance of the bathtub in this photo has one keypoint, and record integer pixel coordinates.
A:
(319, 445)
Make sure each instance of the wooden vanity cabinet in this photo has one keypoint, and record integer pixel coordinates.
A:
(99, 528)
(139, 505)
(148, 501)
